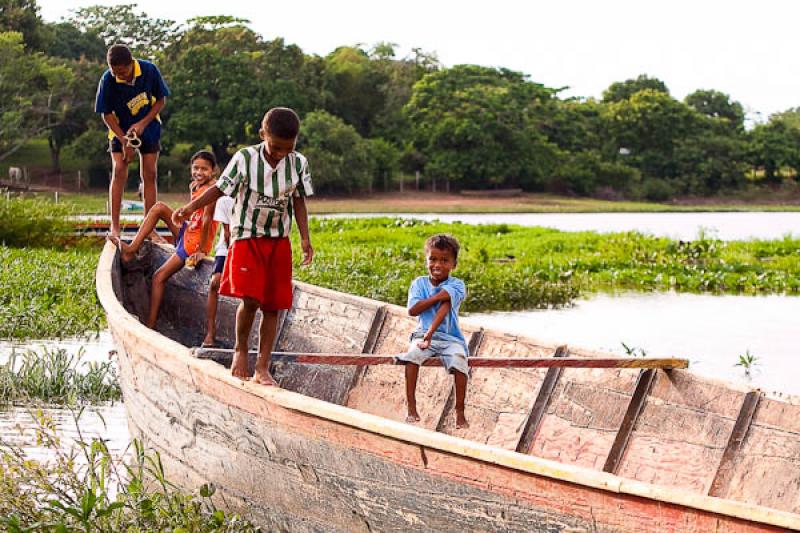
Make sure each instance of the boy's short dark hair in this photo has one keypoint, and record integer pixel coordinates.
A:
(205, 154)
(119, 54)
(443, 241)
(281, 122)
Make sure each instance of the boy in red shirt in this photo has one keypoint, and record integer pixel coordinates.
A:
(269, 182)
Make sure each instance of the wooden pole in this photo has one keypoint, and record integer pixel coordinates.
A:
(222, 354)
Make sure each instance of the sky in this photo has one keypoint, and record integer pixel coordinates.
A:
(745, 49)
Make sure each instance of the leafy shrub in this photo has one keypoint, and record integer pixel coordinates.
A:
(33, 222)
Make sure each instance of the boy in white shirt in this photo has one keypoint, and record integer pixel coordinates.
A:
(222, 214)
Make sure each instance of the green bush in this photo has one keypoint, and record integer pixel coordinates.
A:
(657, 190)
(33, 222)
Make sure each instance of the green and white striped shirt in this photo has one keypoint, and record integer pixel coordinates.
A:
(262, 194)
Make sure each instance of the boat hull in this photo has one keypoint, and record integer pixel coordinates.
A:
(292, 462)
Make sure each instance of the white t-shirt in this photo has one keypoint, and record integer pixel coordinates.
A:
(222, 214)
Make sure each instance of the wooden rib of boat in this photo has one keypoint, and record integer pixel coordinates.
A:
(549, 449)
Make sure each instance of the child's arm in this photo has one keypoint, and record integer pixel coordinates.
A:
(183, 213)
(226, 234)
(301, 215)
(437, 321)
(205, 231)
(422, 305)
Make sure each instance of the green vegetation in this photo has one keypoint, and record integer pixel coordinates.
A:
(33, 222)
(86, 488)
(48, 292)
(58, 377)
(511, 267)
(371, 118)
(747, 361)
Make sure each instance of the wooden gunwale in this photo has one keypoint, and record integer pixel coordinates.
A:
(352, 359)
(179, 362)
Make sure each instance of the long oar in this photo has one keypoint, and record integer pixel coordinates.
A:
(223, 355)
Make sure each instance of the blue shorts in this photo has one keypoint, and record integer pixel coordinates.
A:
(180, 251)
(219, 264)
(451, 353)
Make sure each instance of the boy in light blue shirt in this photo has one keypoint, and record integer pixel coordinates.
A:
(435, 300)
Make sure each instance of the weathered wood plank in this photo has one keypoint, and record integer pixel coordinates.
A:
(740, 429)
(682, 432)
(350, 359)
(541, 403)
(643, 384)
(767, 467)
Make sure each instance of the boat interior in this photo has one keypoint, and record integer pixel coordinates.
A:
(670, 428)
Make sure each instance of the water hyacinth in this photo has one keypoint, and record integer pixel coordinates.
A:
(56, 376)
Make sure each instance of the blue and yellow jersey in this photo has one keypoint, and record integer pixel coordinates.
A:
(131, 101)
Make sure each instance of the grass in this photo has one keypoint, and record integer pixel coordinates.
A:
(84, 487)
(48, 292)
(57, 377)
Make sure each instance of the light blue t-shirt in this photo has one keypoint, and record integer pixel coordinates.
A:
(422, 288)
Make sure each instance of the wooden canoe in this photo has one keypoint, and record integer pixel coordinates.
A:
(549, 449)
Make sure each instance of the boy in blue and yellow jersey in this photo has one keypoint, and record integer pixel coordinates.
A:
(130, 95)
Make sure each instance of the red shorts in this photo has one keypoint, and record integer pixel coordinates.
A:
(260, 268)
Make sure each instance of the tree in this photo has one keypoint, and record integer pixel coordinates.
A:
(355, 87)
(775, 146)
(718, 106)
(480, 127)
(77, 107)
(227, 77)
(336, 152)
(32, 90)
(647, 126)
(67, 41)
(624, 90)
(23, 16)
(121, 24)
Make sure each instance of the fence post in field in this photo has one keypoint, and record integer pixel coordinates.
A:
(417, 176)
(79, 181)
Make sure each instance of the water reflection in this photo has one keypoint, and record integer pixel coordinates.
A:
(95, 347)
(711, 331)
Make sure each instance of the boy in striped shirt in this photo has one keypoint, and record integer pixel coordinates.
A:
(269, 183)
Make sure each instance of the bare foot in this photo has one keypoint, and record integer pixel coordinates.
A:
(412, 418)
(126, 253)
(461, 420)
(264, 378)
(239, 366)
(209, 342)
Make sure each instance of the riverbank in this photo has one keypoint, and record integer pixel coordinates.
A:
(429, 202)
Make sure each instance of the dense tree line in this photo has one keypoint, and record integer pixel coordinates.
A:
(370, 116)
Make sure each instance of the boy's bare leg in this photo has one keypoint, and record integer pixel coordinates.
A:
(245, 314)
(160, 211)
(148, 164)
(267, 333)
(119, 176)
(412, 373)
(172, 265)
(461, 393)
(211, 310)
